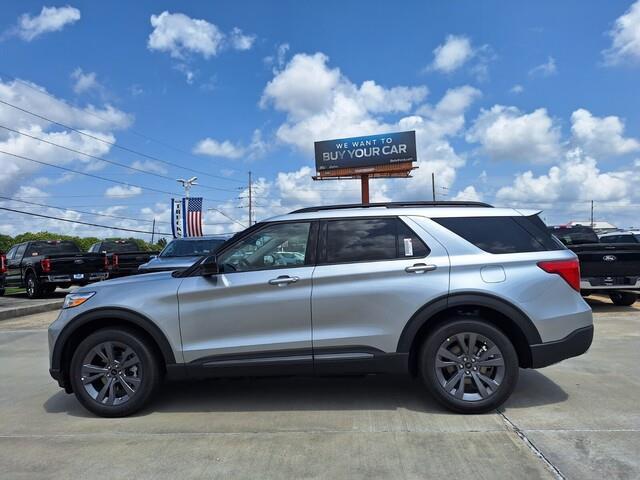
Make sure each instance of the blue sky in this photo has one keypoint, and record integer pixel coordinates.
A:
(517, 103)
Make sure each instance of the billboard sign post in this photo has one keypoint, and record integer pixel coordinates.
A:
(390, 155)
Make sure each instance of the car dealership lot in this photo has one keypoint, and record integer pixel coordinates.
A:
(577, 419)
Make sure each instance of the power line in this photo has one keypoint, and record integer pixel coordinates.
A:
(114, 144)
(82, 223)
(91, 174)
(227, 216)
(112, 162)
(120, 217)
(93, 114)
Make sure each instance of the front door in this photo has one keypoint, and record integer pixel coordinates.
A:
(14, 258)
(257, 311)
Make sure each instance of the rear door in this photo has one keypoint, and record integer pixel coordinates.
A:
(373, 274)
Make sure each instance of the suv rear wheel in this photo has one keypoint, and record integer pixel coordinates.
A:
(624, 299)
(469, 366)
(114, 373)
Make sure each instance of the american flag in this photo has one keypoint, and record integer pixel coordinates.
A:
(193, 217)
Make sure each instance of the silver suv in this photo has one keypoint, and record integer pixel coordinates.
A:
(458, 294)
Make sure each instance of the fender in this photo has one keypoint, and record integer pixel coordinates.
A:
(440, 304)
(111, 313)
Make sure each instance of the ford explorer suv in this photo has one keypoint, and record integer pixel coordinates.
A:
(43, 265)
(460, 295)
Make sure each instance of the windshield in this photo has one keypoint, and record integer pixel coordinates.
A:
(191, 248)
(51, 248)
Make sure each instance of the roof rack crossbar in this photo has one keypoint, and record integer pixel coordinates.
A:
(445, 203)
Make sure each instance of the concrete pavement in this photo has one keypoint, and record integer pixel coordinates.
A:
(17, 305)
(577, 419)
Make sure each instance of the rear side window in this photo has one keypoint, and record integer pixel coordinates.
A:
(502, 234)
(619, 239)
(371, 239)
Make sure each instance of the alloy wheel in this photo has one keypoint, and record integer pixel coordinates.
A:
(111, 373)
(469, 366)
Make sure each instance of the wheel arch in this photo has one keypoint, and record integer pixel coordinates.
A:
(507, 317)
(87, 323)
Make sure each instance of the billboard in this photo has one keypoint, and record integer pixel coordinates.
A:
(371, 150)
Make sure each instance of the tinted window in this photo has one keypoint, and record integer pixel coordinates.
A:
(575, 235)
(275, 246)
(191, 248)
(628, 238)
(51, 248)
(500, 234)
(10, 253)
(20, 251)
(118, 247)
(371, 239)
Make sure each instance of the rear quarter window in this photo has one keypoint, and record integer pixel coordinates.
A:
(502, 234)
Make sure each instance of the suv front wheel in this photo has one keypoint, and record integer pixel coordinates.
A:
(114, 373)
(469, 366)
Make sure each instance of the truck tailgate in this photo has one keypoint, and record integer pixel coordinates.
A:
(608, 260)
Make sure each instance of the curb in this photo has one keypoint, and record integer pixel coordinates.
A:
(30, 309)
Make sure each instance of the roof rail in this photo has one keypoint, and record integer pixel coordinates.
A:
(446, 203)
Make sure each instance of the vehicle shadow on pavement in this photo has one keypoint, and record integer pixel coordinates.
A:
(603, 304)
(312, 394)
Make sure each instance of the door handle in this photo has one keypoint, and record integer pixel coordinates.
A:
(283, 280)
(420, 268)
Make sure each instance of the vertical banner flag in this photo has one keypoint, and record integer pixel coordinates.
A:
(193, 216)
(177, 218)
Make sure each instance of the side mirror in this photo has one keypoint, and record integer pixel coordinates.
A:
(209, 266)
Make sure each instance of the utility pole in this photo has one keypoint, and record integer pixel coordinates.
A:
(153, 229)
(250, 201)
(433, 185)
(591, 213)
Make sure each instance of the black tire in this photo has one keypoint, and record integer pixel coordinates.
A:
(33, 286)
(623, 299)
(482, 396)
(148, 373)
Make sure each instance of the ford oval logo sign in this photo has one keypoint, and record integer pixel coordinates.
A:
(609, 258)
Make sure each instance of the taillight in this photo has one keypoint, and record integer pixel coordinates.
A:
(46, 265)
(569, 270)
(116, 261)
(3, 264)
(106, 262)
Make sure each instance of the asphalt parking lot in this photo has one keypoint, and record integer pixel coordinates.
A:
(578, 419)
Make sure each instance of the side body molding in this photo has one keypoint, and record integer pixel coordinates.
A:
(428, 311)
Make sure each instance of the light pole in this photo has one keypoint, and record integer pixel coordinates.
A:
(187, 184)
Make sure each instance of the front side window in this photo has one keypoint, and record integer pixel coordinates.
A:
(371, 239)
(275, 246)
(20, 251)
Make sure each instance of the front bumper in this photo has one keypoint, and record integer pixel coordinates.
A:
(574, 344)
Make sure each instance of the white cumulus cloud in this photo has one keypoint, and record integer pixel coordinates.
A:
(506, 133)
(452, 54)
(601, 136)
(84, 81)
(50, 19)
(241, 41)
(625, 38)
(179, 34)
(545, 69)
(123, 191)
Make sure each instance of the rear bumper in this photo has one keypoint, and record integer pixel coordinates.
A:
(574, 344)
(70, 278)
(609, 283)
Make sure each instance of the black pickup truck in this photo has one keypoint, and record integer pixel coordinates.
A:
(3, 271)
(123, 256)
(41, 266)
(608, 268)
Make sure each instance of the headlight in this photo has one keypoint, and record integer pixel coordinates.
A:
(76, 299)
